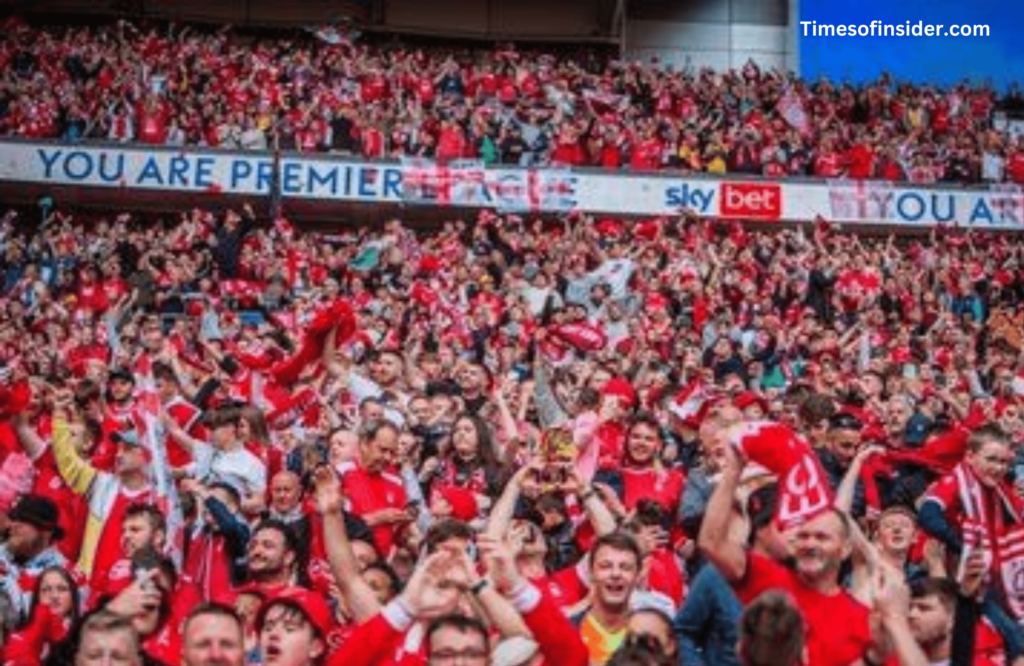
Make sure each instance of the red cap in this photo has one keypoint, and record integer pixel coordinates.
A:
(748, 398)
(309, 603)
(619, 387)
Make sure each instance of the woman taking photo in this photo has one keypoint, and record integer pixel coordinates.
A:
(55, 609)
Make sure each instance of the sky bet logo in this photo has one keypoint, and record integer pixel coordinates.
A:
(758, 201)
(689, 196)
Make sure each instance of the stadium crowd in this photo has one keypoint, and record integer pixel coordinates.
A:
(178, 86)
(508, 442)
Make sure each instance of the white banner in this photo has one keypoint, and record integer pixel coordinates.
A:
(321, 177)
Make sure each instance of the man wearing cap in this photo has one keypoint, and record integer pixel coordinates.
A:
(293, 626)
(119, 414)
(29, 549)
(108, 494)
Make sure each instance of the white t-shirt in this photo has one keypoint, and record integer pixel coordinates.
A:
(238, 468)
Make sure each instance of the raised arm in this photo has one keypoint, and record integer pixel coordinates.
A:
(76, 472)
(180, 436)
(504, 508)
(31, 442)
(361, 598)
(714, 541)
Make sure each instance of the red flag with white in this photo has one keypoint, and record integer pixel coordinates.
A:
(688, 402)
(583, 336)
(804, 490)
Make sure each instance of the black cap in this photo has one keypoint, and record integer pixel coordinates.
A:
(39, 512)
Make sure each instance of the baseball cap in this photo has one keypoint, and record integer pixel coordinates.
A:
(38, 511)
(129, 437)
(309, 603)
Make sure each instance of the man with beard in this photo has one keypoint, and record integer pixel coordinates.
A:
(615, 563)
(118, 413)
(273, 556)
(143, 527)
(28, 551)
(842, 442)
(385, 382)
(839, 633)
(287, 506)
(474, 382)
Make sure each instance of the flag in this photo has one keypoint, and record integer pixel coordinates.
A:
(339, 314)
(688, 402)
(582, 336)
(154, 438)
(804, 490)
(532, 190)
(791, 108)
(459, 182)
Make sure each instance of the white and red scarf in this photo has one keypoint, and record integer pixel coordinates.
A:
(985, 525)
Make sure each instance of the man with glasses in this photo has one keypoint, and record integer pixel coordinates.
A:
(457, 639)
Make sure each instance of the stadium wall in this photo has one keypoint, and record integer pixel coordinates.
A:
(541, 20)
(720, 34)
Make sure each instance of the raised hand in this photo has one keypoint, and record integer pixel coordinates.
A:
(972, 572)
(329, 499)
(891, 594)
(501, 563)
(430, 592)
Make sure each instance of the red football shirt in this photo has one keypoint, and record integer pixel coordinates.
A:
(838, 633)
(367, 492)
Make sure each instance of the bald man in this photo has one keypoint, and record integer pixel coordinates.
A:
(285, 504)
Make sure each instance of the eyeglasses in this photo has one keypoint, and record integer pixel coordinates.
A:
(468, 656)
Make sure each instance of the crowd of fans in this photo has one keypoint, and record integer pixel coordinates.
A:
(507, 442)
(183, 86)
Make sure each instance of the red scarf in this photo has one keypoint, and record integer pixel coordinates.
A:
(985, 525)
